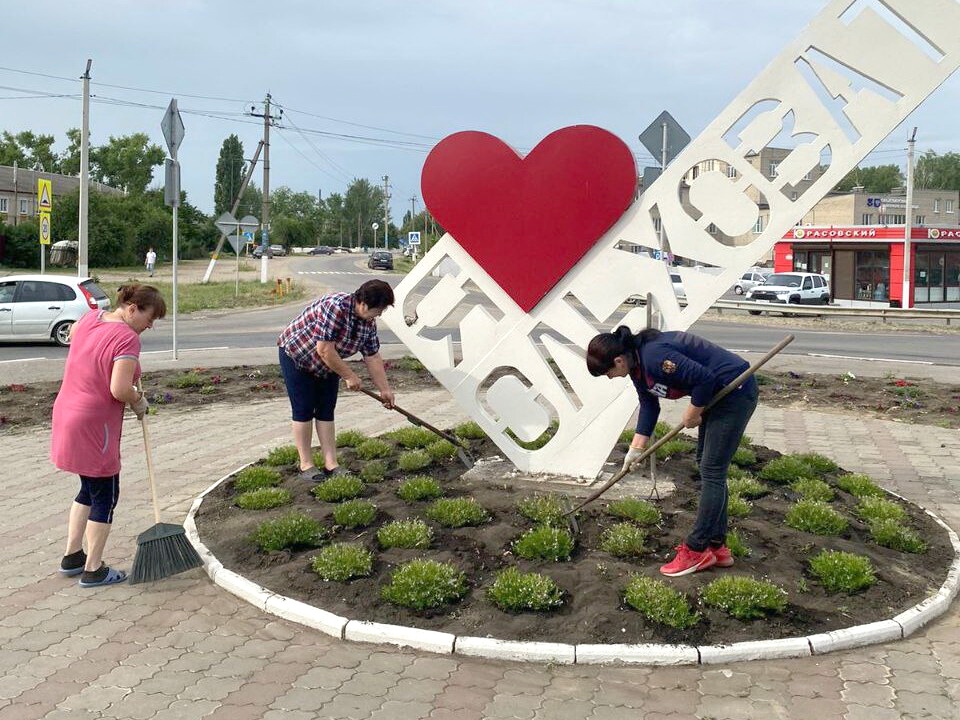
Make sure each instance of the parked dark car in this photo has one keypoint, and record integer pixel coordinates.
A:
(321, 250)
(380, 259)
(272, 251)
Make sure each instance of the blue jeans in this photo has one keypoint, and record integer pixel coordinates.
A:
(719, 437)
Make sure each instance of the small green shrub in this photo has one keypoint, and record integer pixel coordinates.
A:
(423, 584)
(457, 512)
(419, 487)
(859, 485)
(405, 534)
(209, 390)
(255, 477)
(623, 540)
(338, 488)
(785, 469)
(407, 362)
(264, 498)
(442, 450)
(661, 429)
(736, 545)
(744, 597)
(871, 509)
(816, 517)
(350, 438)
(627, 435)
(412, 437)
(657, 601)
(543, 509)
(842, 571)
(188, 380)
(813, 490)
(747, 487)
(820, 464)
(537, 443)
(342, 561)
(289, 531)
(744, 456)
(413, 460)
(894, 535)
(373, 471)
(735, 472)
(745, 440)
(514, 591)
(284, 455)
(469, 431)
(677, 446)
(373, 448)
(354, 513)
(545, 543)
(640, 511)
(738, 506)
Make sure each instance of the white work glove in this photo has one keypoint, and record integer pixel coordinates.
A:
(140, 407)
(632, 454)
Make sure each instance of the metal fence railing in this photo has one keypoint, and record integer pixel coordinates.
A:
(885, 313)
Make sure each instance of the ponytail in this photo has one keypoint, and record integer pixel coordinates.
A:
(143, 296)
(606, 347)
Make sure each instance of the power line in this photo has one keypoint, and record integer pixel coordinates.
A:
(310, 160)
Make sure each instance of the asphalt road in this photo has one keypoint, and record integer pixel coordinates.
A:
(259, 328)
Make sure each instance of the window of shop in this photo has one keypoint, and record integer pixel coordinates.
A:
(937, 276)
(815, 261)
(921, 220)
(866, 219)
(890, 219)
(936, 205)
(731, 171)
(800, 261)
(3, 205)
(872, 275)
(948, 204)
(758, 228)
(23, 207)
(773, 169)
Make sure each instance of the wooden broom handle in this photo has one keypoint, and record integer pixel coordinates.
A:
(149, 456)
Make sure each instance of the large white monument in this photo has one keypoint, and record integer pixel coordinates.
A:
(537, 237)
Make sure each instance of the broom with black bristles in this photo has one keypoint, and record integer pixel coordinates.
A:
(163, 550)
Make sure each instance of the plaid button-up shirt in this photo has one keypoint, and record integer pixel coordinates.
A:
(332, 318)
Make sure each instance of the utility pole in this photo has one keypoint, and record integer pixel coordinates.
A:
(413, 209)
(82, 246)
(907, 300)
(268, 120)
(386, 212)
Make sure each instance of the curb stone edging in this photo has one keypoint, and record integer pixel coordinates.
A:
(896, 628)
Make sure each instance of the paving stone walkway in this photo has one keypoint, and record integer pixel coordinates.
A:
(186, 649)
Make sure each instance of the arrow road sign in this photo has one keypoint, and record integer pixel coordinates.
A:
(172, 126)
(652, 137)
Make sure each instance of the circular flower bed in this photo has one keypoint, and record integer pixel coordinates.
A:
(410, 539)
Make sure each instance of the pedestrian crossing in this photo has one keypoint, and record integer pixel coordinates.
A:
(329, 272)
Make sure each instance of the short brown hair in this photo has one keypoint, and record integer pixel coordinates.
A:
(143, 296)
(375, 294)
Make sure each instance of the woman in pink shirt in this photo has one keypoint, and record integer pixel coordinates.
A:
(102, 368)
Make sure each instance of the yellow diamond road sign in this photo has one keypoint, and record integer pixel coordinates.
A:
(44, 196)
(44, 228)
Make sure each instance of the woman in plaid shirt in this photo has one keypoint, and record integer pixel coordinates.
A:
(312, 350)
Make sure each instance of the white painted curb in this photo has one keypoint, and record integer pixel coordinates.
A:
(326, 622)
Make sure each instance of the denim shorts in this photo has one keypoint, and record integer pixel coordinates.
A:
(312, 397)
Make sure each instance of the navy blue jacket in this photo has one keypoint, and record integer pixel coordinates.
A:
(677, 364)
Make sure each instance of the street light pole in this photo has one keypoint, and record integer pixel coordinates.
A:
(907, 300)
(82, 246)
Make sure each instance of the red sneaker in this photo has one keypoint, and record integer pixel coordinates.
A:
(688, 561)
(724, 556)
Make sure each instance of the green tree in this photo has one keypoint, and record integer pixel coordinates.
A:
(363, 206)
(874, 179)
(28, 150)
(229, 175)
(252, 202)
(938, 172)
(70, 158)
(126, 162)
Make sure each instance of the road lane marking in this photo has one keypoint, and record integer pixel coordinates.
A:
(22, 360)
(872, 359)
(330, 272)
(202, 349)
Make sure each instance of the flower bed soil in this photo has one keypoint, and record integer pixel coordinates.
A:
(592, 580)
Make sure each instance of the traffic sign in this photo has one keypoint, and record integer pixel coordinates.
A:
(375, 226)
(44, 195)
(677, 138)
(44, 227)
(226, 223)
(248, 236)
(236, 242)
(172, 127)
(171, 184)
(249, 222)
(413, 238)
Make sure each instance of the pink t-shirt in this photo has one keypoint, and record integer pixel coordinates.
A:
(87, 419)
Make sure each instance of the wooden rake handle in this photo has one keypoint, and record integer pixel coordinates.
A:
(737, 382)
(415, 420)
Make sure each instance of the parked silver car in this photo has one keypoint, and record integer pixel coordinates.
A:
(750, 280)
(45, 307)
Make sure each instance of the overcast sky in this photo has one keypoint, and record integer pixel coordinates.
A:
(427, 68)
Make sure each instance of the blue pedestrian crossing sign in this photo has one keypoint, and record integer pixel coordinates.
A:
(413, 238)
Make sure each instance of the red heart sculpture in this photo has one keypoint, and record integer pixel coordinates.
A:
(528, 220)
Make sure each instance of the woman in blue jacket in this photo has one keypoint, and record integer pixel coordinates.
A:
(672, 365)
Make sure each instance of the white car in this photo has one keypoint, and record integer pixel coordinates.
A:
(678, 290)
(795, 288)
(750, 280)
(45, 307)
